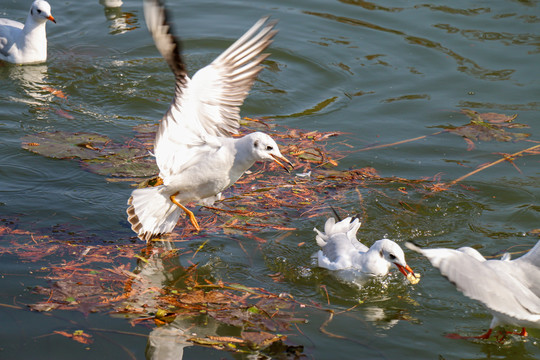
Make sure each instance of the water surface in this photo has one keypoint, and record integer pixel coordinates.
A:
(380, 71)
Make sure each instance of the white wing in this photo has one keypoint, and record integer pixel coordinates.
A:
(529, 269)
(494, 283)
(209, 104)
(339, 249)
(533, 256)
(8, 31)
(339, 244)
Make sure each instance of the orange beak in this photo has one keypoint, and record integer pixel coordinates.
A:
(404, 269)
(277, 161)
(52, 19)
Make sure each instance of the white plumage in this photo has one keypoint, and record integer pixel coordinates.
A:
(510, 289)
(342, 252)
(26, 43)
(195, 152)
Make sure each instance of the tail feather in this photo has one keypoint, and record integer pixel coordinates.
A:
(346, 225)
(151, 213)
(332, 228)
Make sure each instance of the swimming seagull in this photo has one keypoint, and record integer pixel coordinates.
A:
(26, 43)
(196, 154)
(510, 289)
(341, 250)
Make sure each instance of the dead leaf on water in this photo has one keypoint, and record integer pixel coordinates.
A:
(261, 338)
(488, 127)
(78, 335)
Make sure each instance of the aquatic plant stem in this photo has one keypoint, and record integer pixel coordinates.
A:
(505, 158)
(398, 142)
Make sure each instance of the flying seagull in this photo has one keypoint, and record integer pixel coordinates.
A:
(195, 151)
(509, 289)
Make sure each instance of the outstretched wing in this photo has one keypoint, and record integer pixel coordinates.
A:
(209, 104)
(159, 26)
(530, 268)
(493, 282)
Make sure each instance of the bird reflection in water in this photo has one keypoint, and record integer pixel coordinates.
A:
(120, 21)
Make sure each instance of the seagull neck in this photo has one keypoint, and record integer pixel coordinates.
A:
(33, 38)
(244, 158)
(375, 261)
(31, 26)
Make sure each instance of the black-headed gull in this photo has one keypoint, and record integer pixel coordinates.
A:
(340, 250)
(509, 289)
(195, 152)
(26, 43)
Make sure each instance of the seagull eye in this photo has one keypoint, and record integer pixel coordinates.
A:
(392, 257)
(39, 11)
(269, 148)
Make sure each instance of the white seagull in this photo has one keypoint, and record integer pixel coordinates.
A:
(340, 250)
(510, 289)
(26, 43)
(196, 154)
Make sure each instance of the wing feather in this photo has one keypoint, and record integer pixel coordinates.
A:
(159, 26)
(493, 282)
(208, 105)
(8, 32)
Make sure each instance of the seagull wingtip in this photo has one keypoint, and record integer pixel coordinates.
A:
(412, 246)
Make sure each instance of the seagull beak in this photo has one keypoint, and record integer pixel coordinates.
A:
(50, 17)
(404, 269)
(277, 161)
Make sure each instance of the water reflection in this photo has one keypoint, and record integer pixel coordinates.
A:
(168, 342)
(381, 318)
(111, 3)
(152, 275)
(120, 22)
(165, 342)
(32, 80)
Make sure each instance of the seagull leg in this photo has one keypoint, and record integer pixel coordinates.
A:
(186, 210)
(486, 335)
(522, 333)
(503, 333)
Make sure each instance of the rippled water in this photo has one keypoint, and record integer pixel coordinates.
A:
(380, 71)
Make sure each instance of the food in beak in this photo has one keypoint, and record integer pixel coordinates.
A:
(414, 278)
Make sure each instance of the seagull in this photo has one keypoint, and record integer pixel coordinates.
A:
(341, 250)
(26, 43)
(509, 289)
(195, 151)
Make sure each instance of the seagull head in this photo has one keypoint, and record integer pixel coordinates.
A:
(41, 11)
(392, 254)
(265, 148)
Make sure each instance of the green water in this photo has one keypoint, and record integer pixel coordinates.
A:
(379, 71)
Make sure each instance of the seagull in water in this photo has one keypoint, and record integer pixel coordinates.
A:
(196, 154)
(341, 251)
(26, 43)
(510, 289)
